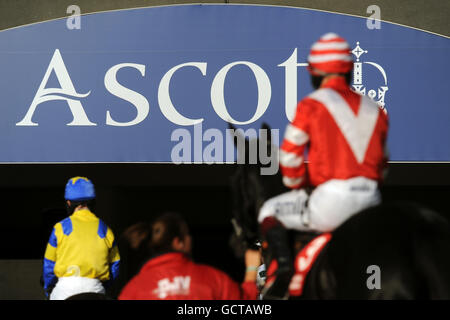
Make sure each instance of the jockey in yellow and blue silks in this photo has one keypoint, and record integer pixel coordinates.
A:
(81, 255)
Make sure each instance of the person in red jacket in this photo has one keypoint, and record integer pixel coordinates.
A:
(345, 136)
(171, 273)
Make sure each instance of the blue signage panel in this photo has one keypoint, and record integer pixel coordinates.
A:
(128, 85)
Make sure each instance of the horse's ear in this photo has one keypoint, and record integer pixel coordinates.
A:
(237, 135)
(266, 127)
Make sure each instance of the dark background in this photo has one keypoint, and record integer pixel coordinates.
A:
(31, 195)
(32, 200)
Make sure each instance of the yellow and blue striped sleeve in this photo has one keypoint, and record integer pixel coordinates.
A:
(49, 276)
(114, 256)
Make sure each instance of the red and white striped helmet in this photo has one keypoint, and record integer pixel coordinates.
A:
(330, 54)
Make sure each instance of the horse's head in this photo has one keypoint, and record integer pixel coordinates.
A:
(250, 187)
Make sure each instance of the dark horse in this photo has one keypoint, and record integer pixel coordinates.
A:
(409, 244)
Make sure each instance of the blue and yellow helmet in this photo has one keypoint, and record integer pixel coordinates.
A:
(79, 189)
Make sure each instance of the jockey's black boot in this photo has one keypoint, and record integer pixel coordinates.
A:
(277, 238)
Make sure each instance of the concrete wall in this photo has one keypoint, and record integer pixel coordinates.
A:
(430, 15)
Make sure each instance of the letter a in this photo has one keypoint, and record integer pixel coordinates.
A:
(373, 282)
(181, 152)
(67, 89)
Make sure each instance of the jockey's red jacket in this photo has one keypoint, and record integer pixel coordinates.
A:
(345, 133)
(176, 277)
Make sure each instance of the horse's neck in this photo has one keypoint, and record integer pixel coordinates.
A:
(302, 238)
(273, 185)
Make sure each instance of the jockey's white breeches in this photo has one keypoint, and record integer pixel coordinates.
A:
(70, 286)
(328, 206)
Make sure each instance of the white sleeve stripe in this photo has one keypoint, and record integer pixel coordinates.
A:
(296, 136)
(292, 182)
(290, 160)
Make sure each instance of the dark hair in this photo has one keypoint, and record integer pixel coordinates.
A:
(316, 80)
(75, 203)
(165, 228)
(348, 77)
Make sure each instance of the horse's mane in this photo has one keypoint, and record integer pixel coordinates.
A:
(250, 189)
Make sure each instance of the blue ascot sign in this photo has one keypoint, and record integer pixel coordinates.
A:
(116, 89)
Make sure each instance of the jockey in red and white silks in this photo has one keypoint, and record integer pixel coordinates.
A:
(344, 134)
